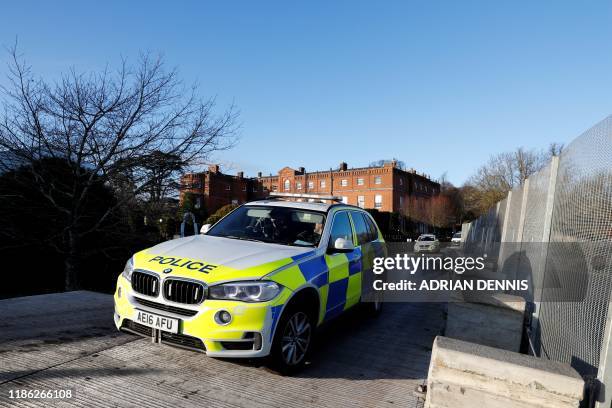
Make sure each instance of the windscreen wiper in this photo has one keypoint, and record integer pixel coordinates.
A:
(244, 238)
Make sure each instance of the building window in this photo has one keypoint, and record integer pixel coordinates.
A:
(310, 185)
(377, 180)
(244, 188)
(235, 202)
(401, 201)
(401, 182)
(274, 188)
(298, 185)
(361, 201)
(344, 182)
(254, 189)
(360, 182)
(322, 184)
(344, 200)
(287, 185)
(377, 201)
(228, 187)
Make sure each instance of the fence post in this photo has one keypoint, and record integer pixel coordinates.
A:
(604, 373)
(504, 231)
(548, 216)
(521, 226)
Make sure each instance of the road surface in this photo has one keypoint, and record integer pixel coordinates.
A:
(68, 341)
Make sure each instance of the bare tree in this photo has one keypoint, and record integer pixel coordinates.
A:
(439, 211)
(106, 126)
(379, 163)
(555, 149)
(502, 173)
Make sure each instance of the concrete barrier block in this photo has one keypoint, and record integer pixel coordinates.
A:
(491, 320)
(463, 374)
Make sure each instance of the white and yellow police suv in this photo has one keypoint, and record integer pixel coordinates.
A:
(255, 284)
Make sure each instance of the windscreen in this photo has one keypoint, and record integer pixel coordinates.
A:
(279, 225)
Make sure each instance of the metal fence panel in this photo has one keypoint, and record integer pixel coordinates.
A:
(569, 203)
(510, 243)
(581, 231)
(531, 251)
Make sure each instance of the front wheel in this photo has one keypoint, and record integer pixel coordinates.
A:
(292, 341)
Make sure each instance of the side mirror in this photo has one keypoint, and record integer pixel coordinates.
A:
(205, 228)
(342, 245)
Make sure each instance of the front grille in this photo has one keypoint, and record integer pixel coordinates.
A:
(145, 283)
(137, 328)
(166, 308)
(178, 340)
(181, 291)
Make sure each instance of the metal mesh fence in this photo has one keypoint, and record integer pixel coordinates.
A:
(567, 206)
(582, 215)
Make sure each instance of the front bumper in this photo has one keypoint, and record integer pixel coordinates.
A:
(248, 334)
(426, 249)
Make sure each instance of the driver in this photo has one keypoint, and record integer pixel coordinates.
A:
(312, 236)
(279, 224)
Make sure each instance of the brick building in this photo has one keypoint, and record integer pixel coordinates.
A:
(386, 188)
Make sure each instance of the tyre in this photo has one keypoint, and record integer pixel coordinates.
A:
(292, 341)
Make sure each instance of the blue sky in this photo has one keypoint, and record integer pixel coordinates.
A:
(441, 85)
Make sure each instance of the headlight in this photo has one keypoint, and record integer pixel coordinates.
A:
(259, 291)
(128, 269)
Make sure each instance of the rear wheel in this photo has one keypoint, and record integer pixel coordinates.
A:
(292, 341)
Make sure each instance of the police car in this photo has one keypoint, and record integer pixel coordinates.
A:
(257, 283)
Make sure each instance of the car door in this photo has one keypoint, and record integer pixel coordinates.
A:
(338, 264)
(361, 259)
(369, 246)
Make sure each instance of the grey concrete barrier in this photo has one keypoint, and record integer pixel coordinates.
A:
(491, 320)
(463, 374)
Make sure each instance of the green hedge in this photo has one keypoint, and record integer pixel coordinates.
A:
(220, 213)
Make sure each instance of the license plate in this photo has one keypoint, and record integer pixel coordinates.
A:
(163, 323)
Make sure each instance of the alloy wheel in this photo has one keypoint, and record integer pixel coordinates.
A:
(296, 339)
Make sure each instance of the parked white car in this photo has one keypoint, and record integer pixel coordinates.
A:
(427, 243)
(456, 239)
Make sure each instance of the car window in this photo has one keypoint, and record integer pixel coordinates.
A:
(279, 225)
(341, 228)
(361, 228)
(373, 236)
(426, 238)
(457, 235)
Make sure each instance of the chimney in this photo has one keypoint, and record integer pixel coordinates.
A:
(343, 166)
(259, 174)
(240, 174)
(301, 170)
(213, 168)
